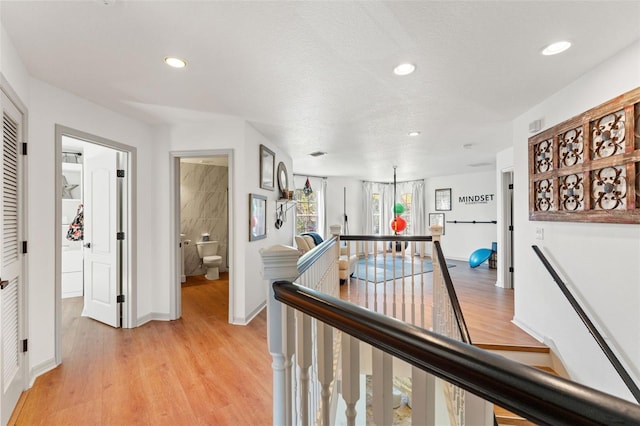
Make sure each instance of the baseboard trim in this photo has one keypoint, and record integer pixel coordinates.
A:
(246, 320)
(153, 316)
(528, 329)
(38, 370)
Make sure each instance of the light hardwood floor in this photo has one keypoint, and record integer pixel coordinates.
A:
(197, 370)
(488, 310)
(200, 369)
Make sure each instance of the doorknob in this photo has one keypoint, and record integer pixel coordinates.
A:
(87, 245)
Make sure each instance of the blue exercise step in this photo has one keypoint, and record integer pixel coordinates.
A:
(479, 256)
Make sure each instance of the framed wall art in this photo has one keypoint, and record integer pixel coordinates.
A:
(443, 199)
(257, 217)
(587, 169)
(267, 168)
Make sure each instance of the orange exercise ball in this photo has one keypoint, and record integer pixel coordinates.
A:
(398, 224)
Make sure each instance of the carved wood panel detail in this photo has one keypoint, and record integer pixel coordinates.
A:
(587, 169)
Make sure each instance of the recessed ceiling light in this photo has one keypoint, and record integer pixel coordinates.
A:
(404, 69)
(414, 133)
(175, 62)
(555, 48)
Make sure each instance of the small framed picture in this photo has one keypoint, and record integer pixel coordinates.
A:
(443, 199)
(437, 219)
(267, 168)
(257, 217)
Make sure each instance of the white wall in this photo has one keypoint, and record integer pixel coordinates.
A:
(335, 203)
(255, 289)
(599, 261)
(219, 133)
(461, 239)
(12, 67)
(50, 106)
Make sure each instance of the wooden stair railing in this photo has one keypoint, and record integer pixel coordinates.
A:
(532, 393)
(613, 359)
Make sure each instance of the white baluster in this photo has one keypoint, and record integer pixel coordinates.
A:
(382, 384)
(303, 356)
(280, 263)
(325, 369)
(350, 376)
(477, 411)
(423, 397)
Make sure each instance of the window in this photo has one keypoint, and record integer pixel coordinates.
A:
(306, 212)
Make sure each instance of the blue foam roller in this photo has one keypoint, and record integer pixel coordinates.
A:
(479, 256)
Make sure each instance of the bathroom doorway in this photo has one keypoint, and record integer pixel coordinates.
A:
(202, 199)
(94, 218)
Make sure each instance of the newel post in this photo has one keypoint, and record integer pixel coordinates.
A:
(280, 264)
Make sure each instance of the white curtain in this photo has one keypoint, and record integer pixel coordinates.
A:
(367, 207)
(419, 223)
(417, 217)
(321, 187)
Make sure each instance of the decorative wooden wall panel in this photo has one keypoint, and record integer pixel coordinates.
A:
(587, 169)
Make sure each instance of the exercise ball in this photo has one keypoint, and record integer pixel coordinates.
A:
(398, 208)
(398, 224)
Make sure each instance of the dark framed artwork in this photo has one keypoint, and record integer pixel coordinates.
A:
(257, 217)
(267, 168)
(443, 199)
(437, 219)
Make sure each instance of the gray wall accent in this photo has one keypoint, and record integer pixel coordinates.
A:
(203, 208)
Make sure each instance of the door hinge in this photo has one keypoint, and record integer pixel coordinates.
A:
(120, 236)
(25, 345)
(510, 227)
(510, 186)
(120, 298)
(24, 148)
(24, 247)
(120, 173)
(510, 268)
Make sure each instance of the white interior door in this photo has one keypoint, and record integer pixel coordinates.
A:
(100, 252)
(12, 293)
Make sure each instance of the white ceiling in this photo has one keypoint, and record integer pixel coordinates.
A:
(317, 76)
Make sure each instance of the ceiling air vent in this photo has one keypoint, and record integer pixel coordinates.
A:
(317, 154)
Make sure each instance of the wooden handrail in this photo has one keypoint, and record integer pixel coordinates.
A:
(400, 238)
(624, 375)
(530, 392)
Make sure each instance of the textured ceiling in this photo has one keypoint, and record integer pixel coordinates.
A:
(317, 76)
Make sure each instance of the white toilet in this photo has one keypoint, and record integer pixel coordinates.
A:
(208, 252)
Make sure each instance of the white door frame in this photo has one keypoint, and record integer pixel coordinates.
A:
(23, 320)
(505, 247)
(176, 294)
(129, 310)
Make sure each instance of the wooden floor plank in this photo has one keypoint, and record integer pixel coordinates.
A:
(488, 310)
(197, 370)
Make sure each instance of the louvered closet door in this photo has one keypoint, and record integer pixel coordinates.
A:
(12, 377)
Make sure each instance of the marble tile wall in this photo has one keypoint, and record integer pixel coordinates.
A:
(203, 208)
